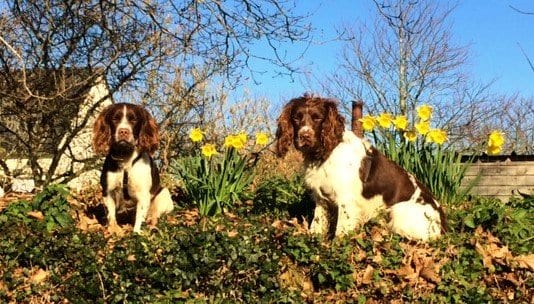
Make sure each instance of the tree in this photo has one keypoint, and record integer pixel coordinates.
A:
(126, 43)
(523, 12)
(406, 58)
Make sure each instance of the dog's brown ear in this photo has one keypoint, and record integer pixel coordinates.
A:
(102, 133)
(333, 126)
(365, 168)
(368, 161)
(285, 131)
(149, 135)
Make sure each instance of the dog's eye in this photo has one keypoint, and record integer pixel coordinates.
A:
(132, 118)
(316, 117)
(297, 117)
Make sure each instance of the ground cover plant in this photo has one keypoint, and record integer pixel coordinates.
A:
(250, 254)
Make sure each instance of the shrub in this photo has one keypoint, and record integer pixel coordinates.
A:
(285, 197)
(50, 208)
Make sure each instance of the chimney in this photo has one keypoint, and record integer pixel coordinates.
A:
(357, 113)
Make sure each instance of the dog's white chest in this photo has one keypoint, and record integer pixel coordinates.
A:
(115, 180)
(338, 173)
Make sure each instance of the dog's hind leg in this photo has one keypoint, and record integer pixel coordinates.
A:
(161, 204)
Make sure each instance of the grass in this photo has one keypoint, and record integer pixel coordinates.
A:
(256, 255)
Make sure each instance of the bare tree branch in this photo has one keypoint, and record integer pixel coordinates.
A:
(520, 11)
(53, 52)
(526, 57)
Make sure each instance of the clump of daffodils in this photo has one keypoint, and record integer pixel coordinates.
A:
(236, 141)
(423, 128)
(400, 122)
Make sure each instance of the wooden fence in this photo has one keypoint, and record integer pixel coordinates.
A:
(502, 176)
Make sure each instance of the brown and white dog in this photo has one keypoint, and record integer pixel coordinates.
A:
(351, 180)
(128, 135)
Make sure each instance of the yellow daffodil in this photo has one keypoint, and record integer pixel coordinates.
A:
(495, 142)
(385, 120)
(436, 135)
(496, 139)
(196, 135)
(262, 139)
(368, 123)
(410, 135)
(422, 127)
(493, 150)
(242, 138)
(229, 141)
(424, 112)
(400, 122)
(236, 141)
(208, 150)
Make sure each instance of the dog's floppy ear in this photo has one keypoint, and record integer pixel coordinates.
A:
(149, 135)
(333, 126)
(102, 133)
(285, 131)
(365, 168)
(367, 161)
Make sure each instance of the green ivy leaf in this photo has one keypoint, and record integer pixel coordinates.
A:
(469, 221)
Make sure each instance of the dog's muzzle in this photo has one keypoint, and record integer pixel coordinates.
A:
(305, 137)
(121, 150)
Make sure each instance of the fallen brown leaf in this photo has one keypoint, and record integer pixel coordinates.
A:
(86, 223)
(38, 276)
(36, 214)
(367, 277)
(491, 249)
(377, 258)
(525, 261)
(430, 274)
(376, 234)
(301, 228)
(115, 230)
(292, 277)
(420, 262)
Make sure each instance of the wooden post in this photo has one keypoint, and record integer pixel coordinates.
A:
(357, 113)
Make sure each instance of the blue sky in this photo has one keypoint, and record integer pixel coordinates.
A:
(490, 29)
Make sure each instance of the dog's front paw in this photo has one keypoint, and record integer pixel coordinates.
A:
(317, 227)
(137, 228)
(340, 232)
